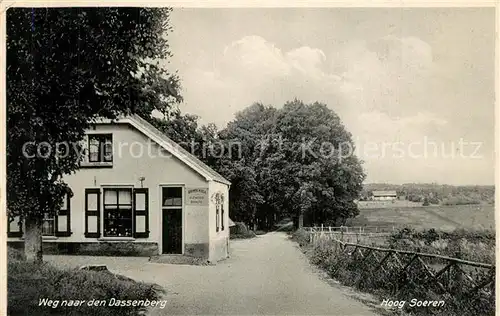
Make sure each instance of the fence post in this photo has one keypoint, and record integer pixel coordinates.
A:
(457, 277)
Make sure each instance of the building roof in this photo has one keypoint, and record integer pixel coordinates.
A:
(384, 193)
(175, 149)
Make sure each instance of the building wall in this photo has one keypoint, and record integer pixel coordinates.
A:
(384, 198)
(219, 241)
(196, 235)
(102, 248)
(158, 168)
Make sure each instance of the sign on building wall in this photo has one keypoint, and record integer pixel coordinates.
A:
(197, 196)
(218, 198)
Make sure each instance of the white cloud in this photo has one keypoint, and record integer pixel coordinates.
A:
(379, 88)
(368, 90)
(252, 55)
(307, 60)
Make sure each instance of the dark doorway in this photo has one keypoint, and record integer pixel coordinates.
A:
(172, 220)
(172, 231)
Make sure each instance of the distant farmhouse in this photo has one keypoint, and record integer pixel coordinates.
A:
(384, 195)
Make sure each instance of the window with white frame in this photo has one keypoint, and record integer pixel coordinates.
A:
(172, 197)
(14, 226)
(217, 217)
(219, 212)
(222, 214)
(125, 212)
(118, 220)
(49, 224)
(50, 220)
(100, 148)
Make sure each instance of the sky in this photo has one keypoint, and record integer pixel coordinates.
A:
(414, 87)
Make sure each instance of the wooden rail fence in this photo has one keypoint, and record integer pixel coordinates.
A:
(464, 285)
(351, 229)
(348, 234)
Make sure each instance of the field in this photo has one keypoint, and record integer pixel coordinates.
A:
(385, 204)
(476, 217)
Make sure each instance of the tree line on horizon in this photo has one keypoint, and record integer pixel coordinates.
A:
(435, 193)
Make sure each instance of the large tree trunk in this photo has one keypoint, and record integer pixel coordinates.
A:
(33, 239)
(254, 219)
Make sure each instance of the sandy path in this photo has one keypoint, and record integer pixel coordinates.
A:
(267, 275)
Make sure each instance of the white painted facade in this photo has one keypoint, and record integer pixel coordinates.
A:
(145, 158)
(384, 198)
(384, 195)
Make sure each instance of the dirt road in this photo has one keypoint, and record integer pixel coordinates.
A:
(267, 275)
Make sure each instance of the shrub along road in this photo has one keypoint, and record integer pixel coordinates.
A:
(267, 275)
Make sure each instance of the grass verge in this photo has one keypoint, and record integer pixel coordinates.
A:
(389, 283)
(29, 284)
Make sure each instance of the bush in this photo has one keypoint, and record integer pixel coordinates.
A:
(363, 271)
(238, 228)
(301, 236)
(15, 255)
(240, 231)
(414, 198)
(474, 245)
(460, 201)
(433, 200)
(430, 236)
(28, 283)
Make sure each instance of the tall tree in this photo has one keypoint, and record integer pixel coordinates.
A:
(251, 130)
(293, 161)
(65, 67)
(297, 160)
(197, 139)
(323, 177)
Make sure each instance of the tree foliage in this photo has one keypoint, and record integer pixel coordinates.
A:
(283, 162)
(66, 66)
(187, 133)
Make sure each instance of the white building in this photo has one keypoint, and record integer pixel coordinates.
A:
(139, 193)
(384, 195)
